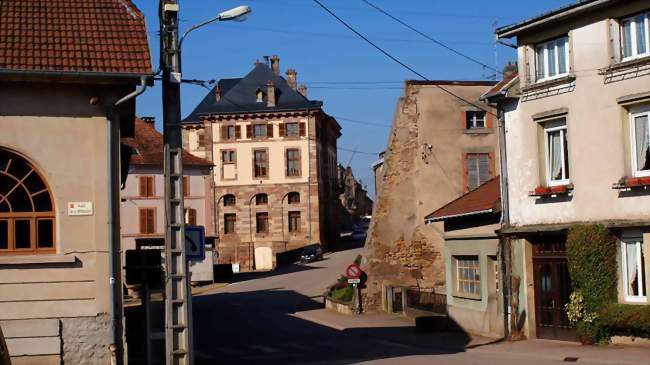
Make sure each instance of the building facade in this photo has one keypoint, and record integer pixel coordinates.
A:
(142, 207)
(577, 151)
(60, 287)
(422, 171)
(275, 161)
(355, 202)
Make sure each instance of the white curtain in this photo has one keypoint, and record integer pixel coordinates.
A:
(640, 34)
(632, 282)
(627, 38)
(556, 155)
(642, 152)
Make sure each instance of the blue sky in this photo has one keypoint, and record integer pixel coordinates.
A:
(355, 82)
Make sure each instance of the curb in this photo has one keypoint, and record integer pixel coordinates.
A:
(306, 317)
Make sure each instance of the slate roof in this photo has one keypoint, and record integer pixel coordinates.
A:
(239, 96)
(81, 36)
(148, 144)
(484, 199)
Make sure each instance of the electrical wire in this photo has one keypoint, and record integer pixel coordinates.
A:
(385, 53)
(461, 54)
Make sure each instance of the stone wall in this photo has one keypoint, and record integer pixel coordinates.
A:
(85, 340)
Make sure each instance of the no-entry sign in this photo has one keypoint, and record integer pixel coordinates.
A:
(353, 271)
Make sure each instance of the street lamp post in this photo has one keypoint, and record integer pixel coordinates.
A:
(178, 298)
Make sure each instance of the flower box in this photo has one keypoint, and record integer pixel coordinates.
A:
(632, 181)
(542, 191)
(560, 189)
(644, 180)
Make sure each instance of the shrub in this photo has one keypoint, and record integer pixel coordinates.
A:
(626, 319)
(343, 294)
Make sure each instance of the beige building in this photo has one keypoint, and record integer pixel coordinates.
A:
(577, 150)
(275, 158)
(440, 147)
(142, 208)
(60, 285)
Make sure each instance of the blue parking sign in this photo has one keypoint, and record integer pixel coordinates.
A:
(194, 243)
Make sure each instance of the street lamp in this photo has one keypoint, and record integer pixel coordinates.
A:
(238, 14)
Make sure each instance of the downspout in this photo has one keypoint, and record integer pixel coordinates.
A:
(114, 258)
(504, 254)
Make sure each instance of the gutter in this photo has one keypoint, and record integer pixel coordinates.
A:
(442, 218)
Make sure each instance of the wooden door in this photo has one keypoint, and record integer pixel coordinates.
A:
(552, 290)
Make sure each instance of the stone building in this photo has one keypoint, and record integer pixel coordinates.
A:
(274, 152)
(355, 202)
(66, 93)
(142, 207)
(439, 148)
(577, 132)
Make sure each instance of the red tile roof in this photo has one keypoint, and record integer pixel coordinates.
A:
(484, 199)
(88, 36)
(148, 143)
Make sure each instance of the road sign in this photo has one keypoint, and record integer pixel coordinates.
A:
(354, 281)
(194, 243)
(353, 271)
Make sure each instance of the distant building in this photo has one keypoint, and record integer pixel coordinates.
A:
(64, 65)
(440, 147)
(274, 152)
(378, 168)
(142, 207)
(354, 198)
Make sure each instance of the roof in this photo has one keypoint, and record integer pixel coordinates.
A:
(239, 96)
(451, 82)
(501, 87)
(148, 146)
(73, 36)
(558, 14)
(484, 199)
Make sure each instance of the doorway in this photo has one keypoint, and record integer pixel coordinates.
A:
(552, 288)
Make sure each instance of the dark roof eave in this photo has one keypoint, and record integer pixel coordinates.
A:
(122, 76)
(317, 106)
(429, 219)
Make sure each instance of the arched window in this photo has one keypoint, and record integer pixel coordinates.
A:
(261, 199)
(293, 198)
(27, 219)
(229, 200)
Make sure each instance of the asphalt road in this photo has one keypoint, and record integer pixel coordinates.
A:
(250, 322)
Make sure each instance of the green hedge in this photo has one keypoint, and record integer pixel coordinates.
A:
(626, 320)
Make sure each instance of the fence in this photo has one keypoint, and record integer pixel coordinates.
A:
(426, 299)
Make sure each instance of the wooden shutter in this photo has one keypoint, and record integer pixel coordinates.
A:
(282, 131)
(201, 138)
(472, 171)
(186, 186)
(463, 120)
(224, 132)
(249, 131)
(237, 132)
(614, 41)
(269, 130)
(529, 53)
(483, 167)
(303, 129)
(488, 120)
(151, 221)
(143, 220)
(143, 186)
(191, 217)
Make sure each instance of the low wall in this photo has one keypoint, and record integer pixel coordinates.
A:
(338, 306)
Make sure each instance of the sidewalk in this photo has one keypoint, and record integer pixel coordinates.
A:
(372, 324)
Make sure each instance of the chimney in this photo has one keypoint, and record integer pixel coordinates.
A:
(270, 94)
(303, 90)
(257, 62)
(291, 78)
(275, 64)
(217, 93)
(149, 120)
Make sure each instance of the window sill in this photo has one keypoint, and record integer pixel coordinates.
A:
(628, 183)
(479, 131)
(549, 83)
(37, 259)
(551, 191)
(624, 65)
(466, 296)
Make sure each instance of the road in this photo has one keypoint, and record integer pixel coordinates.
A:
(250, 321)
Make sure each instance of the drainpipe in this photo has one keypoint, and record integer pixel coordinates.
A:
(114, 258)
(505, 246)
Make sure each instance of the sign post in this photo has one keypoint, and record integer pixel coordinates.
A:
(353, 273)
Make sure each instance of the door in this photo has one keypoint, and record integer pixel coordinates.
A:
(263, 258)
(552, 290)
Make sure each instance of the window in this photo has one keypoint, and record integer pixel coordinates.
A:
(640, 128)
(477, 167)
(475, 119)
(147, 220)
(229, 200)
(190, 216)
(557, 156)
(293, 162)
(293, 198)
(147, 186)
(262, 222)
(259, 96)
(261, 199)
(552, 58)
(260, 163)
(259, 131)
(186, 186)
(294, 222)
(635, 37)
(200, 135)
(291, 130)
(468, 276)
(228, 156)
(230, 132)
(633, 270)
(229, 220)
(26, 207)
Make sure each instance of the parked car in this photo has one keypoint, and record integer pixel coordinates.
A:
(359, 235)
(311, 254)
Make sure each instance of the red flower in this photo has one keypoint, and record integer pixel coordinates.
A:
(542, 190)
(559, 189)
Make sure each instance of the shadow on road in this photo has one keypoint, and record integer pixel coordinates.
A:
(282, 270)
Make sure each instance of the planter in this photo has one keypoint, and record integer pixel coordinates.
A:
(542, 190)
(632, 182)
(644, 181)
(559, 189)
(339, 306)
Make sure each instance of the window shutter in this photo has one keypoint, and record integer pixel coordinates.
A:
(191, 217)
(282, 132)
(143, 186)
(463, 120)
(472, 171)
(483, 168)
(488, 120)
(143, 220)
(249, 131)
(530, 65)
(224, 133)
(237, 132)
(269, 130)
(150, 221)
(303, 129)
(614, 41)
